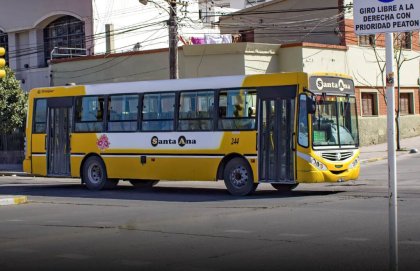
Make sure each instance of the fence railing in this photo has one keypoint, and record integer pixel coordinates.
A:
(12, 150)
(59, 52)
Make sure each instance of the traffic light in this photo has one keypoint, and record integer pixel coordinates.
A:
(2, 62)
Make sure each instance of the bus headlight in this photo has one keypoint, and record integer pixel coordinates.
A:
(354, 163)
(318, 164)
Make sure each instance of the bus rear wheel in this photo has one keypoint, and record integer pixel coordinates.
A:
(94, 175)
(284, 187)
(238, 177)
(143, 184)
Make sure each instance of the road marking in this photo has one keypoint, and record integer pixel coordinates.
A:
(293, 234)
(355, 239)
(135, 263)
(13, 200)
(237, 231)
(21, 250)
(15, 220)
(72, 256)
(410, 242)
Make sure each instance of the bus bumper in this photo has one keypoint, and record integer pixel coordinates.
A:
(317, 176)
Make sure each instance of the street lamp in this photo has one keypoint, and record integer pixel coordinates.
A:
(173, 38)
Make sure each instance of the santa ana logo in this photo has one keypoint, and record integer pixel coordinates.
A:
(182, 141)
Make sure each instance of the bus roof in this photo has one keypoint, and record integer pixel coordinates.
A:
(167, 85)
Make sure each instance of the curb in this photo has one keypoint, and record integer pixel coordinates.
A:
(14, 200)
(370, 160)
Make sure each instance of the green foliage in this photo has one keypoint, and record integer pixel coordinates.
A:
(12, 103)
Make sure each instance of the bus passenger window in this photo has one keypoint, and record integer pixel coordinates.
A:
(303, 138)
(89, 114)
(40, 122)
(237, 109)
(158, 112)
(122, 112)
(196, 111)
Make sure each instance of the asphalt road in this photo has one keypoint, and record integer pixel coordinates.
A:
(199, 226)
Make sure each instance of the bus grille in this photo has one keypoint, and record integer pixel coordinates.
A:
(336, 156)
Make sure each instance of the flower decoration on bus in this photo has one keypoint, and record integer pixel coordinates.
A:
(103, 142)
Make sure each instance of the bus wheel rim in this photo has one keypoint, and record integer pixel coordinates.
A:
(95, 173)
(239, 176)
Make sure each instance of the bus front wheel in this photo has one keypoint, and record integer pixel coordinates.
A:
(238, 177)
(94, 175)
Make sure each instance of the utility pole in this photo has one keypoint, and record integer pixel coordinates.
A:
(173, 37)
(173, 41)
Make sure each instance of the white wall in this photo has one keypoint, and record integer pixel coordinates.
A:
(365, 70)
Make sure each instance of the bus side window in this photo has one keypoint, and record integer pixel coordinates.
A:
(196, 111)
(237, 109)
(122, 112)
(89, 114)
(158, 112)
(303, 138)
(40, 121)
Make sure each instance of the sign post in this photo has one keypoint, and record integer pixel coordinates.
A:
(388, 16)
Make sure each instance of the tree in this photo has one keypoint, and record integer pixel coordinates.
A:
(400, 41)
(12, 103)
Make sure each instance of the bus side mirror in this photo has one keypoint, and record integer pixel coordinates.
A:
(310, 105)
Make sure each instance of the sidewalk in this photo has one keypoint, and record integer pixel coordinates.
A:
(378, 152)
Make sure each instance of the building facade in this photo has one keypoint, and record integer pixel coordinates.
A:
(33, 34)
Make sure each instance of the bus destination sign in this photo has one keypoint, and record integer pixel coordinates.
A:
(386, 16)
(328, 84)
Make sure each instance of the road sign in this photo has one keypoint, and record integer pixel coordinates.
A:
(381, 16)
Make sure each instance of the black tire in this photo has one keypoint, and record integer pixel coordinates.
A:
(284, 187)
(94, 175)
(143, 184)
(238, 177)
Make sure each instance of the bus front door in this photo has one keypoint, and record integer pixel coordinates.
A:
(58, 136)
(276, 127)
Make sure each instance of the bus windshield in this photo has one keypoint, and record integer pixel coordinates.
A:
(334, 122)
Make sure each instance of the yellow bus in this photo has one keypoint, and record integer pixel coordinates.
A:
(283, 129)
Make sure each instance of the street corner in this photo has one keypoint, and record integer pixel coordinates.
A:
(13, 200)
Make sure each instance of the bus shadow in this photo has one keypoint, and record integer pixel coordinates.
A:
(162, 194)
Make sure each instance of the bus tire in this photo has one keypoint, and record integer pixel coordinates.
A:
(143, 184)
(284, 187)
(238, 177)
(95, 176)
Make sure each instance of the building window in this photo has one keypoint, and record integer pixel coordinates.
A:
(247, 35)
(367, 40)
(369, 104)
(406, 103)
(4, 42)
(65, 32)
